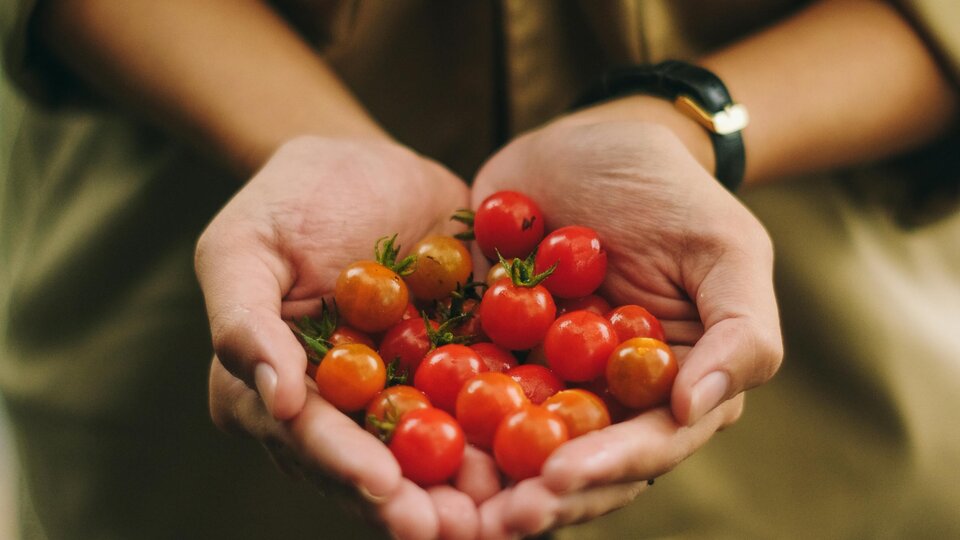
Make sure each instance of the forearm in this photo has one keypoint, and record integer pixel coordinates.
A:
(844, 82)
(229, 75)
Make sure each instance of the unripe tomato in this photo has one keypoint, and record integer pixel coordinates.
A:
(442, 263)
(350, 375)
(582, 411)
(370, 296)
(641, 371)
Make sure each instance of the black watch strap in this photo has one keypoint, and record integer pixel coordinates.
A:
(697, 93)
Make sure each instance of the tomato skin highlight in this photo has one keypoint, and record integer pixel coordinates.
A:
(510, 222)
(580, 258)
(442, 263)
(581, 411)
(515, 317)
(391, 404)
(578, 345)
(525, 439)
(641, 371)
(483, 402)
(350, 375)
(408, 342)
(443, 371)
(428, 444)
(495, 357)
(632, 321)
(370, 296)
(538, 382)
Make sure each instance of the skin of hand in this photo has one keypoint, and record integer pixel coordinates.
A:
(678, 244)
(269, 256)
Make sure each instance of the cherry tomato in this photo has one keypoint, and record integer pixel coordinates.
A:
(442, 263)
(632, 321)
(483, 402)
(641, 371)
(444, 370)
(581, 411)
(510, 222)
(406, 342)
(428, 444)
(525, 439)
(538, 382)
(516, 317)
(370, 296)
(591, 302)
(411, 312)
(340, 336)
(578, 345)
(387, 408)
(598, 387)
(495, 357)
(496, 273)
(350, 375)
(580, 258)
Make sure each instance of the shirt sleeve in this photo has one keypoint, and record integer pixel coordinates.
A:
(938, 22)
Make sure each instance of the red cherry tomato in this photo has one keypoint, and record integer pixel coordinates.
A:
(580, 258)
(516, 317)
(483, 402)
(350, 375)
(538, 382)
(495, 357)
(582, 411)
(641, 371)
(370, 296)
(578, 345)
(428, 444)
(442, 263)
(510, 222)
(410, 313)
(632, 321)
(406, 342)
(591, 302)
(443, 372)
(525, 439)
(387, 408)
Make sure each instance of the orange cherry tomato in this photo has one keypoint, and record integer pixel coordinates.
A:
(641, 371)
(483, 402)
(581, 411)
(388, 407)
(350, 375)
(370, 296)
(525, 439)
(442, 263)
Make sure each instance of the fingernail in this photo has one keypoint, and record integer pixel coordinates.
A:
(266, 380)
(370, 497)
(707, 395)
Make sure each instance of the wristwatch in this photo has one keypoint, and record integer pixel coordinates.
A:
(695, 92)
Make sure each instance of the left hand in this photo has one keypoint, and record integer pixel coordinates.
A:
(678, 244)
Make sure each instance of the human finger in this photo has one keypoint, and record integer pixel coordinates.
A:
(456, 513)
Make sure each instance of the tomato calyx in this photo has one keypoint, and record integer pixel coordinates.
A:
(316, 333)
(396, 375)
(523, 273)
(464, 216)
(444, 335)
(385, 252)
(385, 426)
(456, 309)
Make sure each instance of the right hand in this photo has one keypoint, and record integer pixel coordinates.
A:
(270, 255)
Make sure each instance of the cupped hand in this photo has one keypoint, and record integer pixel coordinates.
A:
(269, 256)
(678, 244)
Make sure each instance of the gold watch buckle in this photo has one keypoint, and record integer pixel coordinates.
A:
(731, 119)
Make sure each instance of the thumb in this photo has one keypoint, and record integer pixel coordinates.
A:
(242, 289)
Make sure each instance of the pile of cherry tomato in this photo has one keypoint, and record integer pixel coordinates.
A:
(429, 360)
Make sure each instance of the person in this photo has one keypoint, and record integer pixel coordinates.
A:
(129, 126)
